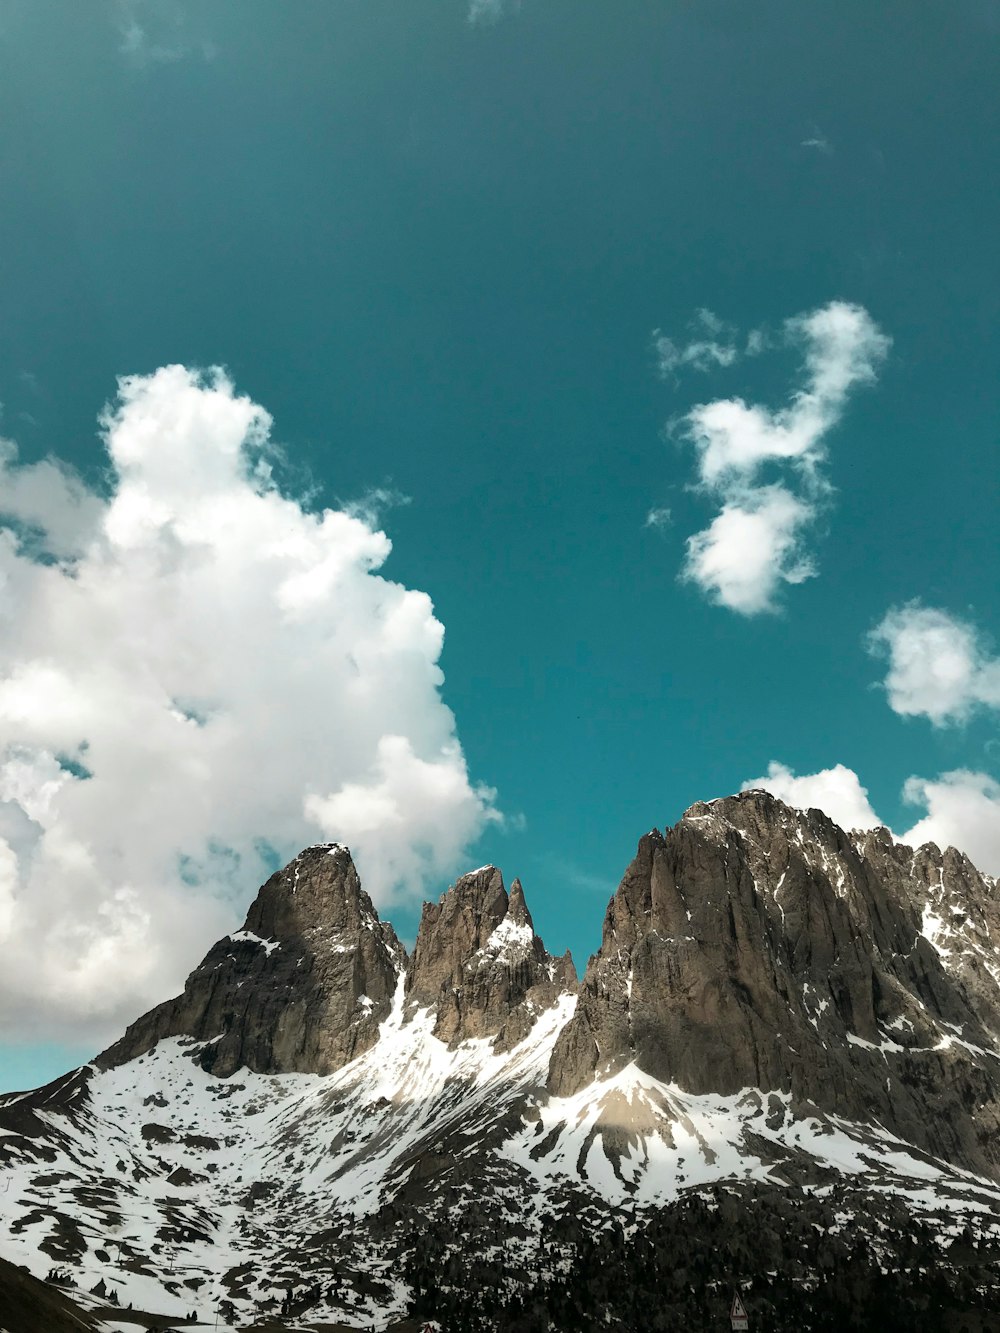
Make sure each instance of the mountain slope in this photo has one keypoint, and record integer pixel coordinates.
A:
(777, 1007)
(30, 1306)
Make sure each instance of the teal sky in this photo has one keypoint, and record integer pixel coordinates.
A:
(436, 252)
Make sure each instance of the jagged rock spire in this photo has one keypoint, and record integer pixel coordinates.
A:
(302, 987)
(479, 964)
(517, 908)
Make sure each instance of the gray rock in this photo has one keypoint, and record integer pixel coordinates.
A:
(480, 966)
(758, 946)
(302, 987)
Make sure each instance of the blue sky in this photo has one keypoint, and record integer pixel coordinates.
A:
(461, 263)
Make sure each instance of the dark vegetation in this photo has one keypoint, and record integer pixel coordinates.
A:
(843, 1260)
(797, 1267)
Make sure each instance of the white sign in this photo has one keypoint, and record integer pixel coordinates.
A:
(738, 1316)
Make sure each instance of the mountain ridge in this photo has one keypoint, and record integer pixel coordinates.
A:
(777, 1006)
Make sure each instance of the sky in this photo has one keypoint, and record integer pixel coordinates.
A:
(474, 434)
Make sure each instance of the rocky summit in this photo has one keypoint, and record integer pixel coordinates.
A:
(302, 988)
(790, 1032)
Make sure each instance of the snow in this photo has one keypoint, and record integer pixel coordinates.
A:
(249, 937)
(508, 942)
(330, 1152)
(932, 927)
(324, 1151)
(677, 1140)
(626, 1138)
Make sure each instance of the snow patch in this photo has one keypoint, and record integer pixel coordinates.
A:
(249, 937)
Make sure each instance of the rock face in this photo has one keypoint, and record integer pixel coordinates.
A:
(303, 987)
(479, 964)
(307, 982)
(754, 946)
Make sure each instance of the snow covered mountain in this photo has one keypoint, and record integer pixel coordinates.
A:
(778, 1008)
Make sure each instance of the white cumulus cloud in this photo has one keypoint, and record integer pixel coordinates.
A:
(837, 791)
(198, 675)
(963, 808)
(735, 441)
(751, 548)
(939, 666)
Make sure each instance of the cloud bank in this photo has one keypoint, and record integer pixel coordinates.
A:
(197, 677)
(963, 810)
(939, 666)
(763, 466)
(963, 807)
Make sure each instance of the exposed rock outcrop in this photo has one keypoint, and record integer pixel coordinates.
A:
(479, 964)
(755, 946)
(302, 987)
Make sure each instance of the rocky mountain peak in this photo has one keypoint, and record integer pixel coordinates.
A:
(478, 964)
(753, 945)
(303, 986)
(317, 891)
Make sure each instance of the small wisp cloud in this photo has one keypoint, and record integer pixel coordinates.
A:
(712, 343)
(198, 676)
(161, 32)
(491, 11)
(763, 466)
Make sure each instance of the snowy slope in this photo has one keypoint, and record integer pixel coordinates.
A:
(181, 1190)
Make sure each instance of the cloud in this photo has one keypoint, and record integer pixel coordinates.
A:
(963, 808)
(410, 816)
(658, 518)
(371, 507)
(735, 442)
(754, 546)
(713, 344)
(818, 141)
(842, 347)
(836, 791)
(156, 32)
(939, 666)
(47, 502)
(198, 676)
(491, 11)
(582, 878)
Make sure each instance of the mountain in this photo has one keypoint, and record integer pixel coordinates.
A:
(31, 1306)
(789, 1031)
(302, 988)
(757, 947)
